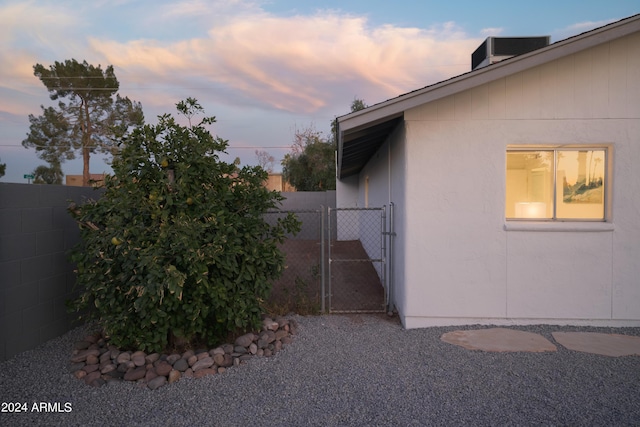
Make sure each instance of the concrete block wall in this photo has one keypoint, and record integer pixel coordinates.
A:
(302, 200)
(307, 201)
(36, 277)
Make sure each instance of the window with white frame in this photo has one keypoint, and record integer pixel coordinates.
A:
(556, 183)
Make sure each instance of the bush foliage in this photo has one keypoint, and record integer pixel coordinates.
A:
(177, 248)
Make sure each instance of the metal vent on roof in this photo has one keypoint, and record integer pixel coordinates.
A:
(496, 49)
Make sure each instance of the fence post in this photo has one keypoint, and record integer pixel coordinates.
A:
(392, 235)
(322, 260)
(328, 294)
(383, 249)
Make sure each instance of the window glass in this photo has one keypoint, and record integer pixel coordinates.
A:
(529, 184)
(556, 184)
(580, 184)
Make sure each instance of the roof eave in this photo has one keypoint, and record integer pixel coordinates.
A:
(471, 79)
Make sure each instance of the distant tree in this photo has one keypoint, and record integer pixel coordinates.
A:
(92, 120)
(311, 164)
(265, 160)
(48, 174)
(357, 105)
(3, 169)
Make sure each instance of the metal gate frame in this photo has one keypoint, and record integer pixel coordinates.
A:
(327, 233)
(327, 293)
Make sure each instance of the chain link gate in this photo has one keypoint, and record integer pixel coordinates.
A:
(337, 263)
(356, 262)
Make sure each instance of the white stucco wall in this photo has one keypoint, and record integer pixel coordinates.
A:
(385, 173)
(459, 264)
(397, 264)
(374, 194)
(346, 197)
(347, 192)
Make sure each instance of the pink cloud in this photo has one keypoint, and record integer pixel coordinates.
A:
(297, 63)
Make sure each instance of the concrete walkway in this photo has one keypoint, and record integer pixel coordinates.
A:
(509, 340)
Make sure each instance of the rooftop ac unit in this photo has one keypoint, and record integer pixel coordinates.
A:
(496, 49)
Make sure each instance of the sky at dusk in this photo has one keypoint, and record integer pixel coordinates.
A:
(263, 68)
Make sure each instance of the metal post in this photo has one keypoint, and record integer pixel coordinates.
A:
(329, 278)
(392, 235)
(383, 250)
(322, 262)
(329, 256)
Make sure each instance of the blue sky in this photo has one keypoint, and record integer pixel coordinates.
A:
(263, 68)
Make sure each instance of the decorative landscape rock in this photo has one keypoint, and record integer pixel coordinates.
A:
(97, 363)
(157, 382)
(180, 365)
(175, 376)
(245, 340)
(202, 364)
(163, 369)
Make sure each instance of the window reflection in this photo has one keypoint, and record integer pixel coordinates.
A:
(555, 184)
(529, 184)
(580, 184)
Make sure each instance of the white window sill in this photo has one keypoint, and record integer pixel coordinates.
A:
(572, 226)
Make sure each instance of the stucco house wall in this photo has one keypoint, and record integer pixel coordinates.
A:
(386, 185)
(457, 261)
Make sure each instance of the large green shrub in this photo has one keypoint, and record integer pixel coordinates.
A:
(177, 247)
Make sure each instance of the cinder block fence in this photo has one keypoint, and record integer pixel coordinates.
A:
(36, 277)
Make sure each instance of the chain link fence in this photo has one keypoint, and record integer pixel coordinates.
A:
(356, 260)
(335, 264)
(299, 289)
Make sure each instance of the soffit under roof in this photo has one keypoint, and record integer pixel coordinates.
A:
(358, 145)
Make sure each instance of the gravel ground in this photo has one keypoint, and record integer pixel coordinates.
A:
(360, 370)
